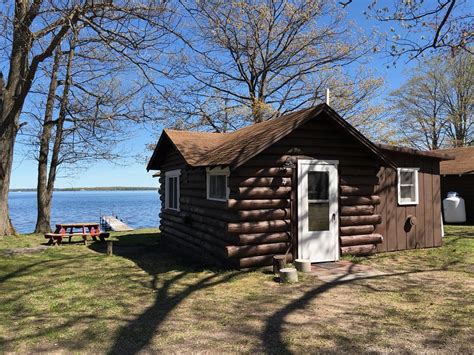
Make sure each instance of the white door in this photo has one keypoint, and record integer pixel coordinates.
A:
(318, 221)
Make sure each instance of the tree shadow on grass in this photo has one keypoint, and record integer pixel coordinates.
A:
(149, 253)
(272, 336)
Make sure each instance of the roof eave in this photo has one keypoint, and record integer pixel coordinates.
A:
(425, 154)
(164, 135)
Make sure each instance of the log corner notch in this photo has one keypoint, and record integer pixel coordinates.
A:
(360, 245)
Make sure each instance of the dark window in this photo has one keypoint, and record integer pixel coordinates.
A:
(217, 187)
(318, 185)
(172, 185)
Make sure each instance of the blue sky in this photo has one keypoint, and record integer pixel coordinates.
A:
(133, 172)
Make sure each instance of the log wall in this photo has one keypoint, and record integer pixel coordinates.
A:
(199, 227)
(263, 198)
(260, 218)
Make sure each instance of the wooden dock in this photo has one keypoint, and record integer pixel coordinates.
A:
(112, 223)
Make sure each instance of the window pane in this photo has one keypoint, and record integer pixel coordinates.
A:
(407, 193)
(175, 193)
(170, 192)
(407, 177)
(218, 186)
(176, 187)
(221, 186)
(318, 185)
(212, 186)
(318, 216)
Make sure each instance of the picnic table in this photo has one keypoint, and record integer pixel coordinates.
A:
(69, 230)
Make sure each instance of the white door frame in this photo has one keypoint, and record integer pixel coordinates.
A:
(303, 167)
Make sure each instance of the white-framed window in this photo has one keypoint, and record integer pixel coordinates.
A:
(408, 186)
(172, 189)
(217, 189)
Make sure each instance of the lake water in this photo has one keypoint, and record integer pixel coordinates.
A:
(139, 209)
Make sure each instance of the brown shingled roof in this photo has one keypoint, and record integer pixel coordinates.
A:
(422, 153)
(462, 164)
(235, 148)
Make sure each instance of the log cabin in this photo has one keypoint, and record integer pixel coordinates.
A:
(306, 185)
(458, 175)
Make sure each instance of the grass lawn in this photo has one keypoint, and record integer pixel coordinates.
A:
(73, 298)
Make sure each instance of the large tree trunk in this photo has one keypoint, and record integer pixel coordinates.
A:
(46, 184)
(44, 196)
(7, 142)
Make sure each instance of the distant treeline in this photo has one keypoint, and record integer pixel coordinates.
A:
(107, 188)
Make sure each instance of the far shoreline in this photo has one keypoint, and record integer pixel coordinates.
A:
(106, 188)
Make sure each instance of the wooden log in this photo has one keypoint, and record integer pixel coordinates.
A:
(261, 193)
(259, 227)
(357, 230)
(213, 235)
(357, 180)
(259, 181)
(263, 215)
(279, 262)
(261, 260)
(262, 238)
(195, 225)
(288, 275)
(110, 248)
(193, 185)
(193, 219)
(188, 248)
(360, 220)
(362, 210)
(303, 265)
(257, 204)
(361, 239)
(259, 172)
(211, 221)
(200, 202)
(361, 250)
(358, 171)
(200, 243)
(356, 190)
(193, 193)
(208, 212)
(255, 250)
(359, 200)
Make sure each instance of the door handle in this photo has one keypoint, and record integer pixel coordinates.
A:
(333, 217)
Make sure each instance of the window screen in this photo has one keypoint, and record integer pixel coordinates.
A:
(172, 185)
(407, 186)
(218, 187)
(318, 201)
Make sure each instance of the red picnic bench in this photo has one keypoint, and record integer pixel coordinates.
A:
(69, 230)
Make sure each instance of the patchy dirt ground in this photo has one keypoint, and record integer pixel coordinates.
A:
(75, 299)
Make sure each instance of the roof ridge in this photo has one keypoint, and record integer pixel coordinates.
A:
(237, 147)
(190, 131)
